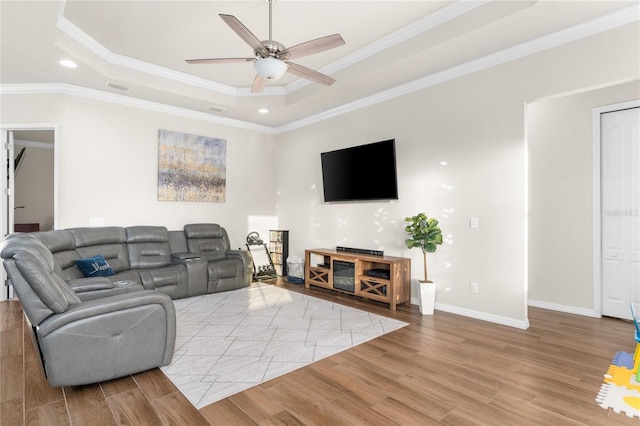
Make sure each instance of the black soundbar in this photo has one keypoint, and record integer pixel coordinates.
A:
(360, 251)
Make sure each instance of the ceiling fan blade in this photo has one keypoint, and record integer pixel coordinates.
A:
(218, 60)
(309, 74)
(258, 84)
(313, 46)
(245, 34)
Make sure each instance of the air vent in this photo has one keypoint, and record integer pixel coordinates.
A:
(117, 86)
(217, 108)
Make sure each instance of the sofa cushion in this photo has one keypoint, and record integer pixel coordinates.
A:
(95, 266)
(203, 230)
(66, 262)
(58, 240)
(149, 255)
(62, 246)
(147, 234)
(226, 268)
(206, 239)
(171, 280)
(109, 241)
(100, 235)
(115, 254)
(148, 247)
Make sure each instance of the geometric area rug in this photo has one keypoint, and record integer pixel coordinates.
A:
(230, 341)
(620, 391)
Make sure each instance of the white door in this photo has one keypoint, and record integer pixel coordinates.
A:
(6, 184)
(620, 204)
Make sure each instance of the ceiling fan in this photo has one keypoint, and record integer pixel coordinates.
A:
(271, 59)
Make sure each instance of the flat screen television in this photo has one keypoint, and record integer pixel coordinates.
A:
(359, 173)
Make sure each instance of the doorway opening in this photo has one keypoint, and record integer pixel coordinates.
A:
(30, 183)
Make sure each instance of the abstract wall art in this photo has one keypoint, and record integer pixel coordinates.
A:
(191, 167)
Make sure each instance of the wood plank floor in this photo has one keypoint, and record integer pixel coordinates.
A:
(440, 370)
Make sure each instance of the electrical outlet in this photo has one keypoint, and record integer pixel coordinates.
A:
(96, 221)
(473, 223)
(473, 288)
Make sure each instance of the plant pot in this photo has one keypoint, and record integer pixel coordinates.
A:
(427, 297)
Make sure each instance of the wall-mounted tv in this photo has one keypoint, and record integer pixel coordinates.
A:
(359, 173)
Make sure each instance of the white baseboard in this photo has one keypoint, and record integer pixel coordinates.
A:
(478, 315)
(483, 316)
(510, 321)
(563, 308)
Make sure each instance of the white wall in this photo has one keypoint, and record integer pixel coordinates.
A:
(108, 165)
(482, 143)
(561, 196)
(477, 125)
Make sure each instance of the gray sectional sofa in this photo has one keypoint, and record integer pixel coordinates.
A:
(89, 329)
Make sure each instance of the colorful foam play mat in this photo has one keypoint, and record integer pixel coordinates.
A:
(620, 391)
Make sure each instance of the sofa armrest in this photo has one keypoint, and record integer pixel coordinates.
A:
(97, 289)
(247, 263)
(185, 256)
(196, 274)
(242, 255)
(80, 285)
(108, 305)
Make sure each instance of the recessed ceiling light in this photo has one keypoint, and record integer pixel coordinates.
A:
(263, 110)
(67, 63)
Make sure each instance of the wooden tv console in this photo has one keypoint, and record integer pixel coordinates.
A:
(320, 268)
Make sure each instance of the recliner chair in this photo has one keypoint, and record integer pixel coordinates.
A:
(82, 342)
(227, 269)
(150, 256)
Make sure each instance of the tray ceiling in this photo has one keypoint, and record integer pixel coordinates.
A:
(143, 44)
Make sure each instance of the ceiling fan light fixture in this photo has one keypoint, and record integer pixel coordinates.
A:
(270, 68)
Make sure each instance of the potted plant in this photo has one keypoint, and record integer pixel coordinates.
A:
(425, 234)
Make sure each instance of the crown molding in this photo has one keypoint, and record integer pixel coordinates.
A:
(99, 95)
(598, 25)
(425, 24)
(586, 29)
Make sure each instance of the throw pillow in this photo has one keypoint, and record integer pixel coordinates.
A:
(95, 266)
